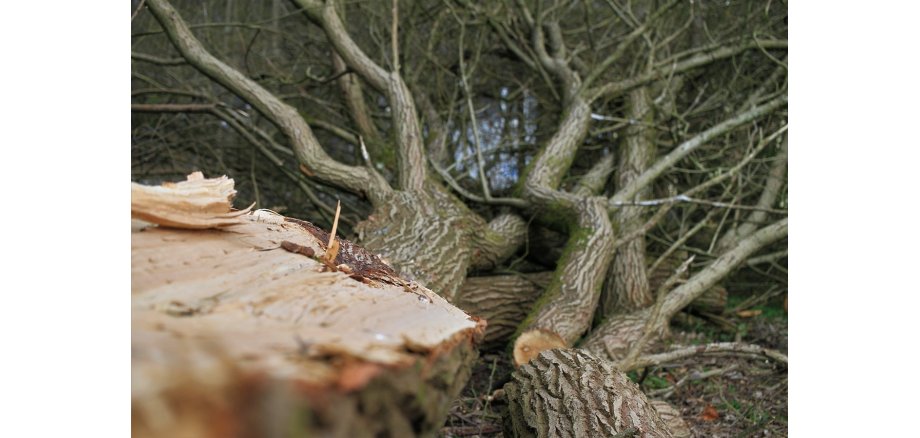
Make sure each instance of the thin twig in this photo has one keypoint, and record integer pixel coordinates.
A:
(666, 392)
(394, 36)
(139, 7)
(731, 348)
(685, 198)
(512, 202)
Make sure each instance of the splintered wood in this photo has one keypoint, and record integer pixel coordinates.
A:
(227, 320)
(196, 203)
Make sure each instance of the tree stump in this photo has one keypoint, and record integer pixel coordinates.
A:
(252, 328)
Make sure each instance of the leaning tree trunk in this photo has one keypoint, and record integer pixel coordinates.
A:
(252, 324)
(627, 286)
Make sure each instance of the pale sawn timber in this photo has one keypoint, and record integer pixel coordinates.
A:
(233, 335)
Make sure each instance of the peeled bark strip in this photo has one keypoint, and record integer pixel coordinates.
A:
(502, 300)
(572, 393)
(240, 331)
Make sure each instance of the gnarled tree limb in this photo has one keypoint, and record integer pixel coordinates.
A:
(410, 147)
(306, 147)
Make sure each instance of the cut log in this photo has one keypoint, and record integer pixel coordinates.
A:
(245, 331)
(572, 393)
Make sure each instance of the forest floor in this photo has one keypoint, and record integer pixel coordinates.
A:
(718, 397)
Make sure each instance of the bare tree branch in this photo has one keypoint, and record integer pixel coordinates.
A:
(306, 147)
(410, 148)
(681, 151)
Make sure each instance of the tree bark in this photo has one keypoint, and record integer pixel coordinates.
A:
(573, 393)
(409, 147)
(671, 417)
(627, 286)
(613, 338)
(503, 300)
(712, 301)
(565, 310)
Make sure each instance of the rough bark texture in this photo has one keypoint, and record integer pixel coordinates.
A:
(244, 331)
(671, 417)
(504, 235)
(572, 393)
(426, 237)
(567, 306)
(627, 287)
(613, 338)
(502, 300)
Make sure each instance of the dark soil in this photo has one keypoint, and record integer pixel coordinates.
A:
(717, 396)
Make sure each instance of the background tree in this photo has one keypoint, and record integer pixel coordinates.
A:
(585, 144)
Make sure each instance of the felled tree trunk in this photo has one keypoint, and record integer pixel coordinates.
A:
(256, 328)
(503, 300)
(572, 393)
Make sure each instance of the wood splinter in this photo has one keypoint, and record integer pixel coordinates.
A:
(297, 249)
(334, 258)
